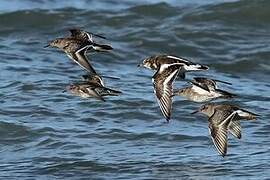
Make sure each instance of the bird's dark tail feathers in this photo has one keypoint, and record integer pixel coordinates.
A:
(102, 47)
(111, 92)
(226, 94)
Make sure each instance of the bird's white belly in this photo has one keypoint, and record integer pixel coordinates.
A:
(204, 97)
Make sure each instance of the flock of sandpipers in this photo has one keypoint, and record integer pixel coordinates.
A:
(222, 117)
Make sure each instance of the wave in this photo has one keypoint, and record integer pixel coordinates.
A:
(242, 12)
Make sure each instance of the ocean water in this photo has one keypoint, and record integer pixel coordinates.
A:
(48, 134)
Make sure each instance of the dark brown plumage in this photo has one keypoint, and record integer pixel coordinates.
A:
(87, 36)
(75, 49)
(163, 81)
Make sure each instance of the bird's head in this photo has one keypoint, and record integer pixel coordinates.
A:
(207, 109)
(180, 92)
(58, 43)
(148, 63)
(71, 88)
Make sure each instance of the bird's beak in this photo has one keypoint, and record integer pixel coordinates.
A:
(175, 93)
(204, 67)
(111, 77)
(139, 65)
(84, 77)
(64, 91)
(195, 112)
(189, 82)
(48, 45)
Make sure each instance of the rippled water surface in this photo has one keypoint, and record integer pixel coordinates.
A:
(48, 134)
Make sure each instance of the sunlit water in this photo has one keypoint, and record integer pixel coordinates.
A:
(48, 134)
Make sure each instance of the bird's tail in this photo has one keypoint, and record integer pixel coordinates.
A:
(101, 47)
(110, 92)
(247, 114)
(225, 94)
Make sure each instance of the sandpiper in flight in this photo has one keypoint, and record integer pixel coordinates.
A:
(223, 118)
(94, 87)
(154, 62)
(203, 89)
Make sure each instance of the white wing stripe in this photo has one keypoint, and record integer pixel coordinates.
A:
(173, 57)
(166, 66)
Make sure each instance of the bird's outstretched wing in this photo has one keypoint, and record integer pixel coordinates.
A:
(162, 82)
(235, 129)
(80, 34)
(81, 59)
(218, 129)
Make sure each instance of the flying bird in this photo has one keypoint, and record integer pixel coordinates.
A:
(202, 90)
(154, 62)
(93, 87)
(223, 118)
